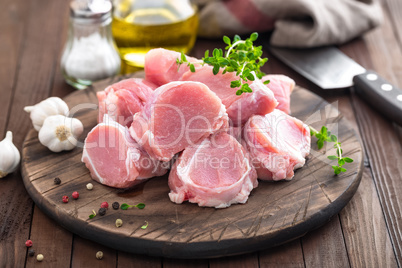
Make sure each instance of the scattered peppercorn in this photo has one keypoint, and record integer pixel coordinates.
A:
(116, 205)
(28, 243)
(39, 257)
(102, 211)
(65, 199)
(75, 195)
(119, 223)
(105, 205)
(90, 186)
(57, 181)
(31, 252)
(99, 255)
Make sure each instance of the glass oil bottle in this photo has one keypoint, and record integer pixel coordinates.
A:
(139, 26)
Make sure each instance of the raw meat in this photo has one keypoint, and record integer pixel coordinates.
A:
(123, 99)
(282, 86)
(277, 143)
(235, 132)
(178, 114)
(260, 102)
(115, 159)
(214, 173)
(220, 83)
(161, 68)
(239, 107)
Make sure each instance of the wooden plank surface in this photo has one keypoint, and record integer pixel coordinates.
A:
(45, 234)
(325, 247)
(129, 260)
(364, 222)
(364, 230)
(382, 143)
(29, 20)
(44, 231)
(84, 254)
(279, 256)
(12, 232)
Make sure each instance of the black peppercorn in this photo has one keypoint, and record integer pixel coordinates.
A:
(31, 252)
(102, 211)
(116, 205)
(57, 180)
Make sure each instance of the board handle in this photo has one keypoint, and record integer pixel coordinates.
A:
(380, 94)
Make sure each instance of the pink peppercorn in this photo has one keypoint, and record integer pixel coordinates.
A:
(28, 243)
(65, 199)
(75, 195)
(105, 205)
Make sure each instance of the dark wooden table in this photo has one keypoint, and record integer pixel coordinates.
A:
(366, 233)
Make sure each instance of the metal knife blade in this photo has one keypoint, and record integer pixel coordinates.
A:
(329, 68)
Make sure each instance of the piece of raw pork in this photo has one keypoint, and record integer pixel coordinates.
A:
(277, 144)
(123, 99)
(177, 115)
(161, 67)
(115, 159)
(214, 173)
(282, 86)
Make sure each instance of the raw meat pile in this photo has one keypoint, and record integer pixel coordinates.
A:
(214, 142)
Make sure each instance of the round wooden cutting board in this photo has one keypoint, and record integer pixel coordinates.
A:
(274, 213)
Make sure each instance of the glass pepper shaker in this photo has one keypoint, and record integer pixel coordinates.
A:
(90, 53)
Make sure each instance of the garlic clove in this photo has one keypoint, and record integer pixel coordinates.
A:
(45, 108)
(60, 133)
(9, 155)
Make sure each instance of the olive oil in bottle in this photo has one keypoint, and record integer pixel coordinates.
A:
(139, 26)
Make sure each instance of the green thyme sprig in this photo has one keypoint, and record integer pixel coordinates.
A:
(125, 206)
(325, 136)
(341, 160)
(240, 56)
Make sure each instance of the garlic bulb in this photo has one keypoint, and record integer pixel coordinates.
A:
(60, 133)
(9, 155)
(45, 108)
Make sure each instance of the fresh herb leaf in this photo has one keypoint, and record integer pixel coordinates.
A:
(240, 57)
(332, 157)
(192, 68)
(226, 40)
(145, 225)
(348, 160)
(140, 205)
(92, 215)
(337, 170)
(124, 206)
(320, 143)
(254, 36)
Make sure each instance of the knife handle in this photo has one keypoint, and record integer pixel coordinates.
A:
(380, 94)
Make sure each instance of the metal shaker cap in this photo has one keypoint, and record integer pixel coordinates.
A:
(90, 11)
